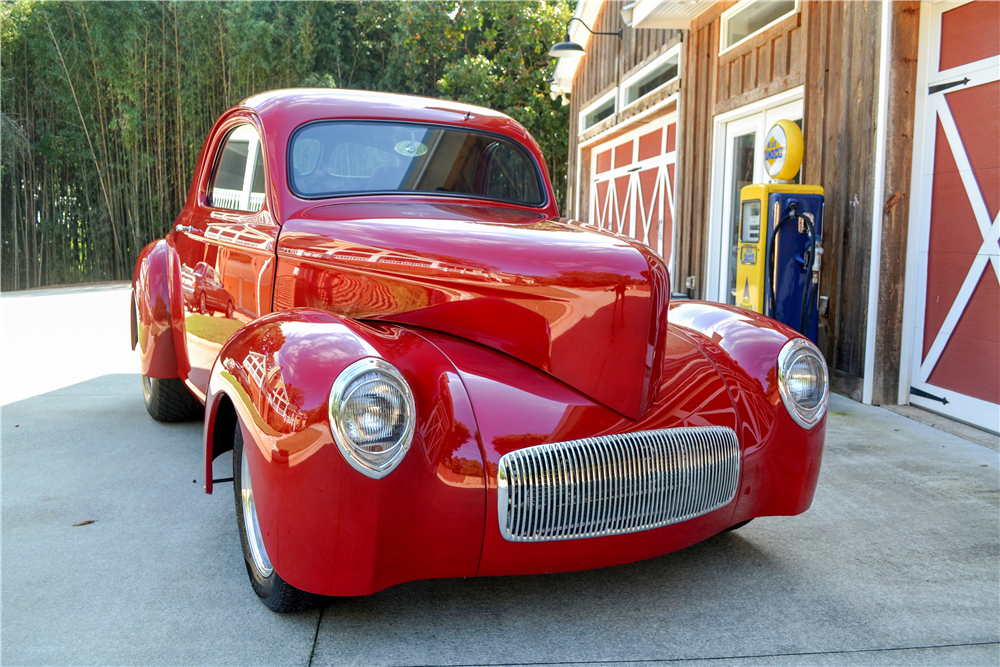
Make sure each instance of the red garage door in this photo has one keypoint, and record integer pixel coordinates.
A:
(632, 192)
(956, 352)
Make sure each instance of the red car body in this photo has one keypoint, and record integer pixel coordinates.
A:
(513, 329)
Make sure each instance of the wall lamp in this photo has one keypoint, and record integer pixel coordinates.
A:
(567, 48)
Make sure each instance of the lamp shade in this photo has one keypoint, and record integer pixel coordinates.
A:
(566, 48)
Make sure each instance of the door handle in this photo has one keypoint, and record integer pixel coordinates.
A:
(188, 229)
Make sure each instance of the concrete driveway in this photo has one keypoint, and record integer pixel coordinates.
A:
(897, 562)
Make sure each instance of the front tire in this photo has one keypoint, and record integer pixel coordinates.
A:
(276, 593)
(168, 400)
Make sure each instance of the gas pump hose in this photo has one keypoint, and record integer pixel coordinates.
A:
(769, 262)
(804, 316)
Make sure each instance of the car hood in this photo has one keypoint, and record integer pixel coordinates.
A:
(583, 305)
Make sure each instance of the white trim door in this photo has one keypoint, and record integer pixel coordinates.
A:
(633, 185)
(739, 156)
(744, 139)
(953, 296)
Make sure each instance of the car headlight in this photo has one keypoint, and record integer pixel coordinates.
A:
(803, 381)
(371, 416)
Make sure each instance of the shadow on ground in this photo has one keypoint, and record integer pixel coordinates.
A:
(897, 556)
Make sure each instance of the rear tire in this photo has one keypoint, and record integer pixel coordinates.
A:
(168, 400)
(276, 593)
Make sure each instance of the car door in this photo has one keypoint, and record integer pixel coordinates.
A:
(226, 244)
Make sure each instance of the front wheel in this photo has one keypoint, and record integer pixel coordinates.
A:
(168, 400)
(276, 593)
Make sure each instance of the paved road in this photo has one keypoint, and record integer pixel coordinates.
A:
(897, 562)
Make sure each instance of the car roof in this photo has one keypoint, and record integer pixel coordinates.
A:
(300, 105)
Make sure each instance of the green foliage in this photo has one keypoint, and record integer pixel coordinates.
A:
(104, 105)
(506, 66)
(214, 329)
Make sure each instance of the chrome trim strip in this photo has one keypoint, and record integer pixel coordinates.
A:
(616, 484)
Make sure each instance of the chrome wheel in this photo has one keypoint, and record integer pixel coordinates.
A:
(254, 539)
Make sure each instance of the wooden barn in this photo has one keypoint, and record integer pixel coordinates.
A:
(899, 107)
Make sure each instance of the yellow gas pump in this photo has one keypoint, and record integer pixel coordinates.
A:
(780, 237)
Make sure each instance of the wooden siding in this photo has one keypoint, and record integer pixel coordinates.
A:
(608, 62)
(694, 151)
(832, 49)
(765, 64)
(896, 207)
(841, 101)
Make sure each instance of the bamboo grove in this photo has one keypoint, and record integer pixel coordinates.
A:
(104, 106)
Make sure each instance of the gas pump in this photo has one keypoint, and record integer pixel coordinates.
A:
(781, 237)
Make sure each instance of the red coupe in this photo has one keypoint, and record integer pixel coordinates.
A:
(422, 372)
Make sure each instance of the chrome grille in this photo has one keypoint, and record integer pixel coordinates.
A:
(616, 484)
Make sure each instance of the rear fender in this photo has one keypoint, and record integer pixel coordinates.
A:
(328, 528)
(158, 314)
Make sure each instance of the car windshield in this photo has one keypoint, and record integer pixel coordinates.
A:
(346, 157)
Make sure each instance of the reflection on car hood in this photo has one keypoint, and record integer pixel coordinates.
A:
(585, 306)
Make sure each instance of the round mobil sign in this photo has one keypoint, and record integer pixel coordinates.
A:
(783, 149)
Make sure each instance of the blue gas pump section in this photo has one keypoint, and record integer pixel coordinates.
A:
(793, 297)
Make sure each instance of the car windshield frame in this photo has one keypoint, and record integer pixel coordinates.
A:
(536, 169)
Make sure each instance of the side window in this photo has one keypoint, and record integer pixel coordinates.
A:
(510, 175)
(257, 187)
(238, 182)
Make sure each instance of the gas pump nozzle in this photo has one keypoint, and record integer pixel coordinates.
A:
(807, 225)
(819, 253)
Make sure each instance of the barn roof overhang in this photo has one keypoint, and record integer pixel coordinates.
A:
(664, 14)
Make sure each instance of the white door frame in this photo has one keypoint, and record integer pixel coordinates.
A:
(965, 408)
(786, 104)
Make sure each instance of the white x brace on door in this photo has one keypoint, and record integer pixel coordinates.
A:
(632, 191)
(956, 264)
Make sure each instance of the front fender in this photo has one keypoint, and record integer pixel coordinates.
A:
(781, 460)
(159, 313)
(327, 528)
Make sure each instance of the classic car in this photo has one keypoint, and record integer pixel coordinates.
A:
(203, 292)
(430, 374)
